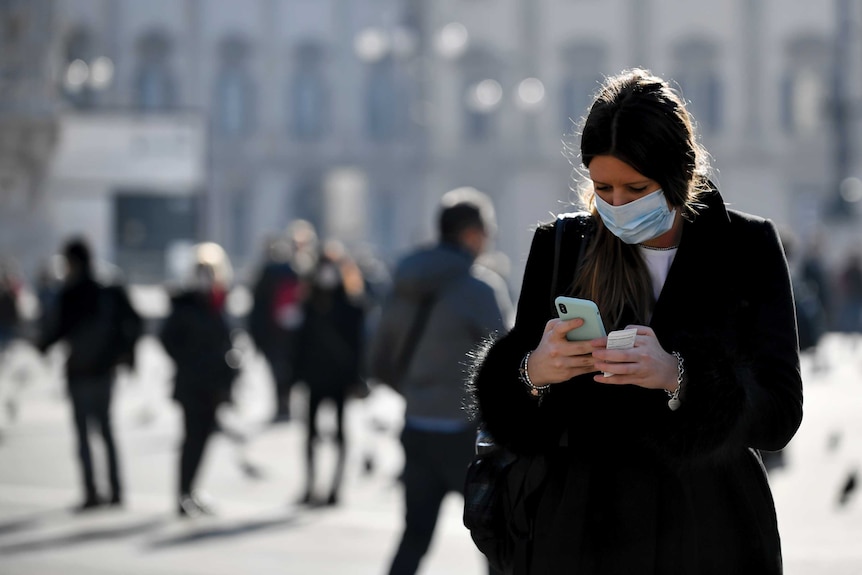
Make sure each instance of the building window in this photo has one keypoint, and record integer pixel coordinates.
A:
(308, 200)
(79, 53)
(385, 109)
(240, 216)
(154, 83)
(805, 86)
(309, 95)
(147, 224)
(582, 75)
(481, 95)
(234, 91)
(698, 79)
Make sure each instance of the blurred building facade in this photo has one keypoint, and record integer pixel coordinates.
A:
(157, 123)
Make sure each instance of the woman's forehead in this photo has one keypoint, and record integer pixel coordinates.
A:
(612, 170)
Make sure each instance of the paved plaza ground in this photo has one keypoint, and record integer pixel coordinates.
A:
(255, 483)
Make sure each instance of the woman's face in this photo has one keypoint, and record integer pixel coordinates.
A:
(618, 183)
(204, 277)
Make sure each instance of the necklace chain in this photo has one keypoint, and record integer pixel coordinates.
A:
(659, 249)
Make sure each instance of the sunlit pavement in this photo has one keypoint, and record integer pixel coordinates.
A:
(254, 483)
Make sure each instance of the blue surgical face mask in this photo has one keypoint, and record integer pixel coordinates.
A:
(638, 221)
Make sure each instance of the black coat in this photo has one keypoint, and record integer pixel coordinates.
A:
(99, 324)
(330, 343)
(271, 334)
(640, 488)
(196, 336)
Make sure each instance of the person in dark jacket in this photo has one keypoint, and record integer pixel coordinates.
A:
(462, 303)
(651, 453)
(196, 335)
(10, 316)
(276, 315)
(94, 320)
(329, 354)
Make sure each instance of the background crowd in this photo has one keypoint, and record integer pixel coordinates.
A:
(314, 312)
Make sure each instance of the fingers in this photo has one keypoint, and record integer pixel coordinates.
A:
(556, 359)
(643, 366)
(561, 363)
(618, 370)
(642, 330)
(562, 326)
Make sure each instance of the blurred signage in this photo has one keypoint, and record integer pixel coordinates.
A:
(154, 151)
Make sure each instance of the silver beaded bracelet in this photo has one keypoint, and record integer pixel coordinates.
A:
(536, 391)
(674, 401)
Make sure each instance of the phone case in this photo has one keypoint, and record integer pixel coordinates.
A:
(571, 307)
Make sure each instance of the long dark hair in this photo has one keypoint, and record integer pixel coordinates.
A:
(639, 119)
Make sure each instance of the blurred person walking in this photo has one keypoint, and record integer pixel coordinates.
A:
(850, 321)
(442, 305)
(811, 318)
(196, 335)
(850, 284)
(10, 316)
(101, 328)
(329, 354)
(10, 330)
(813, 272)
(276, 313)
(49, 281)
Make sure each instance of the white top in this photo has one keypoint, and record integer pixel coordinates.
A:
(658, 262)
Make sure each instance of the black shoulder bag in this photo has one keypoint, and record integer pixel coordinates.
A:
(499, 482)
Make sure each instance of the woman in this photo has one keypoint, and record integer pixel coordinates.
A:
(329, 353)
(652, 453)
(196, 336)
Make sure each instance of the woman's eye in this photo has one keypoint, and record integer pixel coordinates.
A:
(638, 190)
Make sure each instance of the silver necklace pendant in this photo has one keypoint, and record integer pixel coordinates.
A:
(673, 403)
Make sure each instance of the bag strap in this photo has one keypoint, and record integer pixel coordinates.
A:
(560, 230)
(411, 340)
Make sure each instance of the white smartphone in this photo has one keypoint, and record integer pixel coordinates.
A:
(572, 307)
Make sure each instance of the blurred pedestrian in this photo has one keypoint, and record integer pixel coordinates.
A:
(10, 314)
(850, 322)
(458, 304)
(329, 354)
(377, 282)
(197, 337)
(49, 281)
(101, 328)
(813, 272)
(10, 330)
(646, 458)
(276, 313)
(850, 286)
(811, 319)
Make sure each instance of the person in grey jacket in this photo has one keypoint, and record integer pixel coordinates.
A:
(442, 306)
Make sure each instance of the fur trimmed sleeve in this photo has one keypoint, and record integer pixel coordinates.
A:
(499, 400)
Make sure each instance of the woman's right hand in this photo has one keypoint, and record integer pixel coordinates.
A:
(557, 359)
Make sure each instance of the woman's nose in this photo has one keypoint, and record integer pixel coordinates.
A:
(618, 198)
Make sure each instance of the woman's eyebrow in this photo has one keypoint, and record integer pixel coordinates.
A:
(635, 183)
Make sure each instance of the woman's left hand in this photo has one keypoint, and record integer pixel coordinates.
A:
(647, 364)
